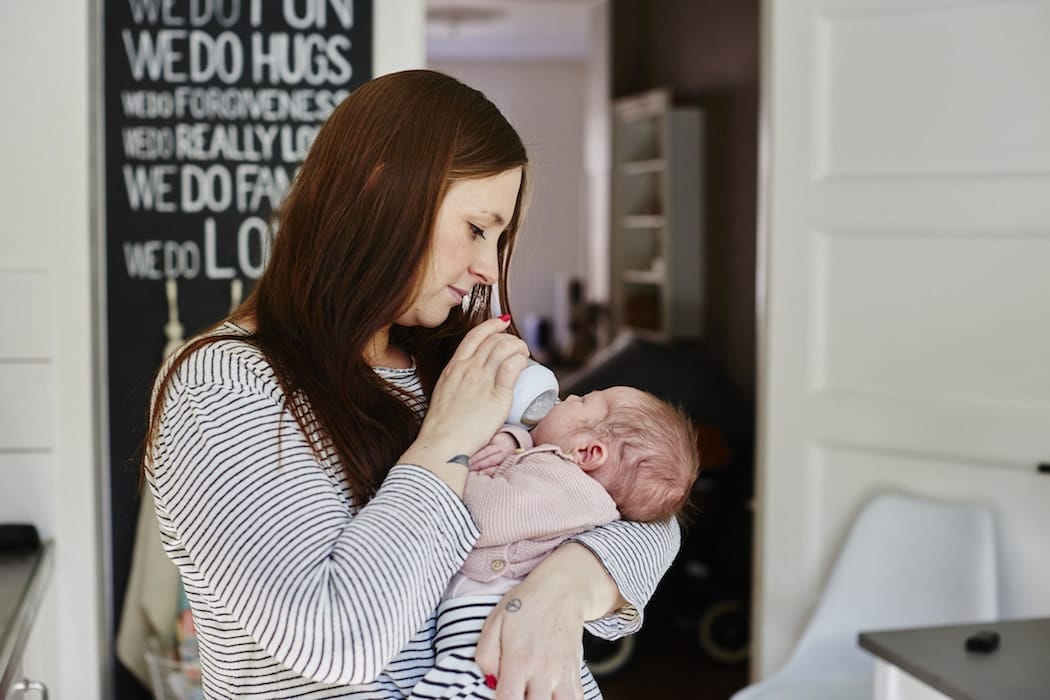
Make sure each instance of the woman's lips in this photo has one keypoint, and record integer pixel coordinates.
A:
(458, 294)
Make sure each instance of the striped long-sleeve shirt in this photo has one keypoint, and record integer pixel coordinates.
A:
(294, 592)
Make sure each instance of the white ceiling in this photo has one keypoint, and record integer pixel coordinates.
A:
(508, 28)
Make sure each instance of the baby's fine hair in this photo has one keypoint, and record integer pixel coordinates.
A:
(659, 459)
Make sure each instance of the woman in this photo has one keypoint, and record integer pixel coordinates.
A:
(313, 511)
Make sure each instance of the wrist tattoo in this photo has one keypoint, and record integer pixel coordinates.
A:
(513, 605)
(459, 459)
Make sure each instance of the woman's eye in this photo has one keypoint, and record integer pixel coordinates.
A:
(477, 231)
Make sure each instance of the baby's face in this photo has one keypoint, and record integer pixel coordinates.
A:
(568, 425)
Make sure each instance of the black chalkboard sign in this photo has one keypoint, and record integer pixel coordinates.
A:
(210, 106)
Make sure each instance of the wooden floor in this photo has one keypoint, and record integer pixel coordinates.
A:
(670, 666)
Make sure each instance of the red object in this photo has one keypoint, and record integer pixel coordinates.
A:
(505, 317)
(490, 681)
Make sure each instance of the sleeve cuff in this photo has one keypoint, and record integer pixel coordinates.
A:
(636, 555)
(520, 435)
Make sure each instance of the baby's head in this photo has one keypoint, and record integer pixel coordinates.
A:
(641, 449)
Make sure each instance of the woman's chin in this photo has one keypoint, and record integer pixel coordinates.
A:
(425, 318)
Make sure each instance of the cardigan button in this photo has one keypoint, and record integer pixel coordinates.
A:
(499, 565)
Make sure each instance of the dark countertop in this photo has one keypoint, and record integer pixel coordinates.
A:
(23, 579)
(1018, 670)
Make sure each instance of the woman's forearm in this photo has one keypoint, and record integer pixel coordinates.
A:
(577, 571)
(636, 556)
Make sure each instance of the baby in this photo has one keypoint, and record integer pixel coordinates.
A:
(615, 453)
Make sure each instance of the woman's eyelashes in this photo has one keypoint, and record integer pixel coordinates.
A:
(477, 231)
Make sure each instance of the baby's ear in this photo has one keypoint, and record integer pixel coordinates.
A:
(591, 455)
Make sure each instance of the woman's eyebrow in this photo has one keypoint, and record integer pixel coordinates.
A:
(496, 218)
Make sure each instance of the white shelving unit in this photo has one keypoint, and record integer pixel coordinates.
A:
(656, 250)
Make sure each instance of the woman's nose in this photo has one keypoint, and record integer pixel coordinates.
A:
(486, 265)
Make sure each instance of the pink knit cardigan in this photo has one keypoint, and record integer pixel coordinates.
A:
(535, 500)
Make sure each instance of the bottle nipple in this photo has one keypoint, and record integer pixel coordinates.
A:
(539, 408)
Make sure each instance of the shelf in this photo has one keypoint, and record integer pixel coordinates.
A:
(653, 104)
(644, 221)
(643, 167)
(656, 245)
(644, 277)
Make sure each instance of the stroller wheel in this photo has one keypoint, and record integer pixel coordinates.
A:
(606, 658)
(723, 632)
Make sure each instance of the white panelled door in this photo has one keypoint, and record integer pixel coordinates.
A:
(905, 305)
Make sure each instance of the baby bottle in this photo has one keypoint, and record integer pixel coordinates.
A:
(535, 394)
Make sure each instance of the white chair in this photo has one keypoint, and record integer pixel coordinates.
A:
(907, 562)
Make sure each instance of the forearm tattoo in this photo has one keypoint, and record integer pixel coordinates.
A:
(513, 605)
(460, 459)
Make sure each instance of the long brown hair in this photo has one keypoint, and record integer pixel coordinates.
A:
(353, 236)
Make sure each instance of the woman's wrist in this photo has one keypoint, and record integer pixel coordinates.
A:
(579, 574)
(440, 457)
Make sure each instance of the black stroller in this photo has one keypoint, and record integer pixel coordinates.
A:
(707, 589)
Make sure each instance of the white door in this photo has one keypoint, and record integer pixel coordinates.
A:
(905, 292)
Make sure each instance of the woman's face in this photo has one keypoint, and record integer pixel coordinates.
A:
(469, 223)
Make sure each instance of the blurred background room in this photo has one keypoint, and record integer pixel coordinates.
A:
(822, 227)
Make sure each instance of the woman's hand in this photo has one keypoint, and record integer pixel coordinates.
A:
(471, 401)
(532, 641)
(472, 397)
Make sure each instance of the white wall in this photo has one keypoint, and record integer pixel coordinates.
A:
(49, 420)
(597, 150)
(544, 99)
(48, 441)
(398, 35)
